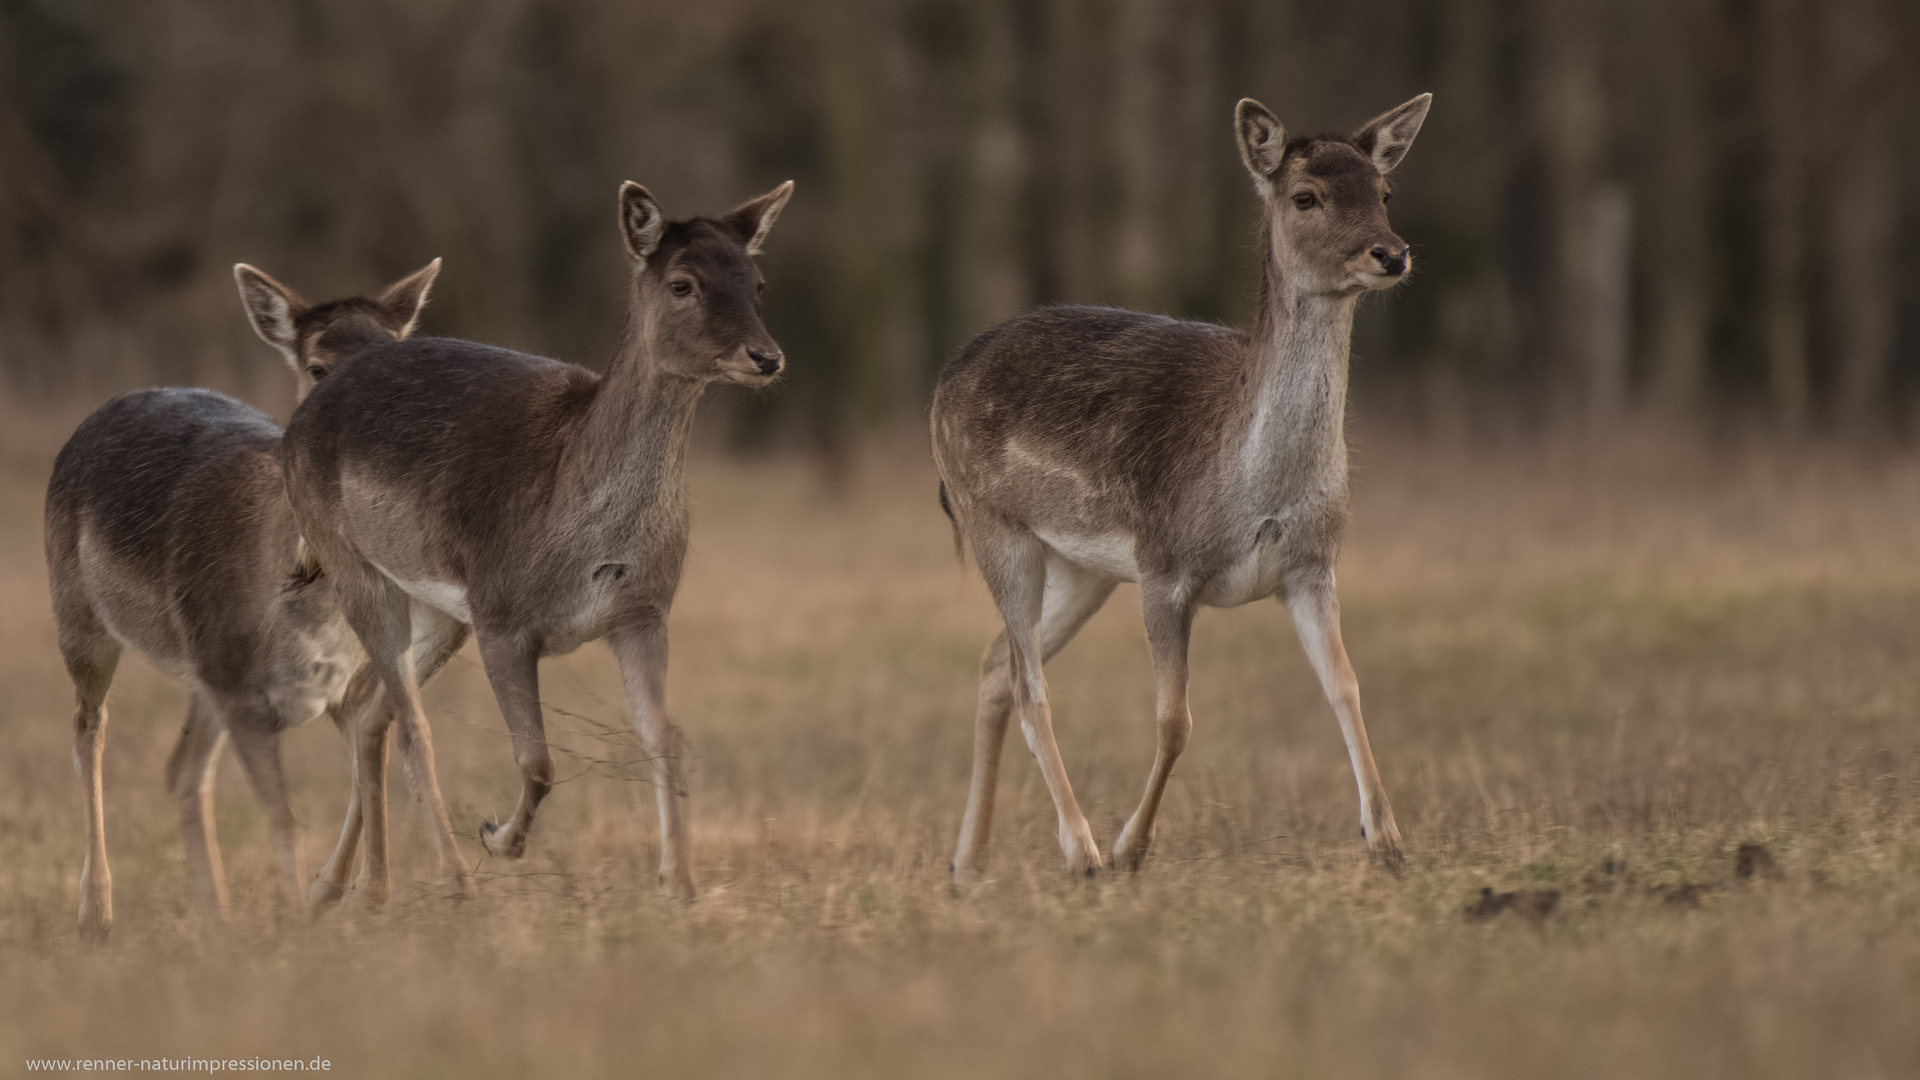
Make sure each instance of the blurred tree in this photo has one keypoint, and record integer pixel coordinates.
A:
(1684, 208)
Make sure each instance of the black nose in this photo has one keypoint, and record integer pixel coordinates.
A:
(767, 360)
(1390, 263)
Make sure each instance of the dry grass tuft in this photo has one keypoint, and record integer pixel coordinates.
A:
(1609, 682)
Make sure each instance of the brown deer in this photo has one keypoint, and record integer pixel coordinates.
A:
(168, 531)
(1080, 447)
(446, 484)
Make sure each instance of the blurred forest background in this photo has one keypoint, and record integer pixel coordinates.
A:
(1688, 210)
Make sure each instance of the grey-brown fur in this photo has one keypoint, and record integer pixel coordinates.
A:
(442, 482)
(1079, 447)
(168, 531)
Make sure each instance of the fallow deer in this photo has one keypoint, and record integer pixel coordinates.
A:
(168, 531)
(1079, 447)
(444, 484)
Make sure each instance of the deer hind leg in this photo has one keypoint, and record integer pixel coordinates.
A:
(190, 774)
(513, 669)
(1316, 616)
(642, 653)
(256, 740)
(436, 637)
(379, 613)
(91, 655)
(1070, 598)
(354, 714)
(1013, 562)
(1169, 620)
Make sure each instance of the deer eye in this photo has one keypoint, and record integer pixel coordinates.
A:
(1305, 200)
(317, 372)
(1386, 198)
(680, 288)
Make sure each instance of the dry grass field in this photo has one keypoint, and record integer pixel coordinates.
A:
(1593, 676)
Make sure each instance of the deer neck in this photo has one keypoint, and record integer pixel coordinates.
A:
(1295, 443)
(630, 456)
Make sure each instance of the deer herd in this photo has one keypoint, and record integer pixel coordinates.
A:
(428, 490)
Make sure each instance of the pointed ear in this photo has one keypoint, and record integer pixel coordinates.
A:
(1262, 140)
(1386, 137)
(400, 305)
(641, 221)
(271, 307)
(753, 219)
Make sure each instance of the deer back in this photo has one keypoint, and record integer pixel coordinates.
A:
(166, 514)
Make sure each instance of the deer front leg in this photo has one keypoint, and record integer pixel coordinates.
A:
(1169, 619)
(256, 740)
(641, 650)
(1316, 616)
(190, 776)
(513, 669)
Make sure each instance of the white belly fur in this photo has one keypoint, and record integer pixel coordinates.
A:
(438, 595)
(1110, 554)
(1254, 576)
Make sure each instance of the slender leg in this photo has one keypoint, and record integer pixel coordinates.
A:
(91, 655)
(1316, 616)
(1014, 565)
(436, 637)
(1169, 619)
(642, 653)
(354, 712)
(256, 740)
(513, 668)
(190, 775)
(1071, 596)
(380, 616)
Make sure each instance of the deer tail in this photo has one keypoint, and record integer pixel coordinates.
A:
(959, 538)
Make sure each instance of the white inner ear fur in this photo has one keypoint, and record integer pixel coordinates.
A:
(271, 314)
(1394, 132)
(1263, 141)
(644, 224)
(768, 215)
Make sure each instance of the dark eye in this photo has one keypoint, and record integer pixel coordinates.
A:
(681, 288)
(1387, 198)
(317, 372)
(1305, 200)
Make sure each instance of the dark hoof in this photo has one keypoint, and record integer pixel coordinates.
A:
(1531, 904)
(1392, 859)
(322, 895)
(1754, 861)
(489, 831)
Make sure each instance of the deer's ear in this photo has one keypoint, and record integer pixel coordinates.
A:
(400, 304)
(1386, 137)
(271, 307)
(753, 219)
(641, 221)
(1263, 142)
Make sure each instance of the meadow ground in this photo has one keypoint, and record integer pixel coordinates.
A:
(1597, 677)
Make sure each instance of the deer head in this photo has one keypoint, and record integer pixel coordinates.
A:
(308, 337)
(1326, 197)
(697, 289)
